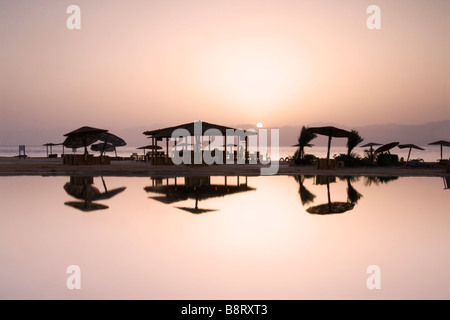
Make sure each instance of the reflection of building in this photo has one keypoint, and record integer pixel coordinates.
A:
(82, 188)
(199, 188)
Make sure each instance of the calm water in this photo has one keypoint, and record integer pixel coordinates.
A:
(207, 238)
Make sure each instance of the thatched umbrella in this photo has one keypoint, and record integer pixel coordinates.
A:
(330, 132)
(441, 143)
(111, 139)
(103, 147)
(386, 147)
(306, 145)
(150, 147)
(82, 137)
(371, 145)
(51, 145)
(410, 146)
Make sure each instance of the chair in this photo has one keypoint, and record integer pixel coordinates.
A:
(22, 153)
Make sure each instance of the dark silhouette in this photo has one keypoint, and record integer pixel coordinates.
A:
(330, 207)
(410, 146)
(379, 180)
(353, 140)
(82, 188)
(330, 132)
(305, 195)
(441, 143)
(197, 188)
(304, 141)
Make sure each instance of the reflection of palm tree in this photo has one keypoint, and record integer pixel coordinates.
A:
(353, 140)
(352, 195)
(305, 195)
(379, 180)
(304, 139)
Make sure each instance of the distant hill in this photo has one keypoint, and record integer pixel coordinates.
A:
(382, 133)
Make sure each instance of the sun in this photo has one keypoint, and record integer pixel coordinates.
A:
(259, 125)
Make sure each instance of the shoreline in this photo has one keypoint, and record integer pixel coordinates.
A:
(10, 166)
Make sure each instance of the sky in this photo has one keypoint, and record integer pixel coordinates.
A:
(280, 63)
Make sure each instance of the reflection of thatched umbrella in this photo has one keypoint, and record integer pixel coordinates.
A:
(108, 194)
(446, 183)
(82, 137)
(331, 207)
(196, 210)
(83, 189)
(330, 132)
(410, 146)
(386, 147)
(86, 206)
(441, 143)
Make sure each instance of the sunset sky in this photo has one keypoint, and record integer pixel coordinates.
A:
(283, 62)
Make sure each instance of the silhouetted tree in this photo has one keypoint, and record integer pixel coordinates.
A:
(353, 141)
(304, 139)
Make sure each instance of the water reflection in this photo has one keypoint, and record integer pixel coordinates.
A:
(379, 180)
(197, 188)
(81, 187)
(446, 183)
(331, 207)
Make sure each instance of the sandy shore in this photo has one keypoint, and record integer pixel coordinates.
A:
(55, 167)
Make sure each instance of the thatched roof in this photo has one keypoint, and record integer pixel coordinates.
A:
(190, 127)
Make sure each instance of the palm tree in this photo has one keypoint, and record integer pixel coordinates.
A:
(353, 141)
(304, 139)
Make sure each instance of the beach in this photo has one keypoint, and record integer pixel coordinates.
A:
(39, 166)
